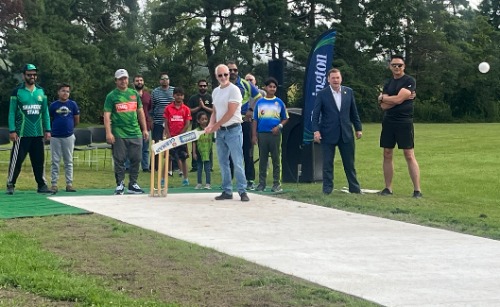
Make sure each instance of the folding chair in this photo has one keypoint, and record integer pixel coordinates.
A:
(83, 142)
(99, 141)
(5, 140)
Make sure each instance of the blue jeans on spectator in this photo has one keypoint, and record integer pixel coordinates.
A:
(230, 142)
(203, 165)
(145, 154)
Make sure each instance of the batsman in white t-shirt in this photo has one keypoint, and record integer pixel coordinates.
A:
(226, 120)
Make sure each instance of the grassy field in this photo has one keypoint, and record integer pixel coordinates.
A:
(95, 261)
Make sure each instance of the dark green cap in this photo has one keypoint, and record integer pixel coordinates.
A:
(29, 67)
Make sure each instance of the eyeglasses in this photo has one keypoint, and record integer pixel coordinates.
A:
(397, 65)
(233, 69)
(221, 75)
(202, 85)
(164, 78)
(30, 75)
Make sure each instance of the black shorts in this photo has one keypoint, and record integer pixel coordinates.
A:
(157, 132)
(400, 133)
(179, 153)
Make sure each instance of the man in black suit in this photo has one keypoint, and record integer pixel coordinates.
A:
(334, 116)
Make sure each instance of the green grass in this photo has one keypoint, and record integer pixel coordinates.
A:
(460, 179)
(95, 260)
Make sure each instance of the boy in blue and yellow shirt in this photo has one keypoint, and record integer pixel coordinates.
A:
(269, 117)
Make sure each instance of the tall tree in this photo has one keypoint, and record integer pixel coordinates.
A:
(78, 42)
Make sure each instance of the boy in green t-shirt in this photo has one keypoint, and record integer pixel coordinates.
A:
(122, 110)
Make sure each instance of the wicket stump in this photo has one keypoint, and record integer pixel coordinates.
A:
(156, 177)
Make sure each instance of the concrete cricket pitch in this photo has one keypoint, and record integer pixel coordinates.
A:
(388, 262)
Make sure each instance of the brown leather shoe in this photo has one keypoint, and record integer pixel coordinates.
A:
(69, 188)
(54, 189)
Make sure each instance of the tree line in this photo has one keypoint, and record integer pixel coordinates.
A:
(84, 41)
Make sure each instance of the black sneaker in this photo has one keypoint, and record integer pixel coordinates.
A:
(134, 189)
(250, 186)
(276, 188)
(224, 196)
(244, 197)
(44, 190)
(261, 187)
(120, 189)
(386, 192)
(417, 194)
(10, 189)
(193, 170)
(146, 170)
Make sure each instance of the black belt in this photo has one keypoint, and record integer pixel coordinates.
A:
(230, 126)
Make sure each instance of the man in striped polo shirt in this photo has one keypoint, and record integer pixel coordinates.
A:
(161, 97)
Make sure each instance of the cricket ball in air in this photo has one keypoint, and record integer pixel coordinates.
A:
(484, 67)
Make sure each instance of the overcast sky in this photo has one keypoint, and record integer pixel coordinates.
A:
(473, 3)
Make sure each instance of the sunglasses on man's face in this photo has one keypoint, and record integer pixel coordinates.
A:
(397, 65)
(233, 69)
(202, 85)
(222, 75)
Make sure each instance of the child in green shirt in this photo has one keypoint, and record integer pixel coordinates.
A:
(202, 149)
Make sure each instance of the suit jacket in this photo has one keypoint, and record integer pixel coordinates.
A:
(335, 126)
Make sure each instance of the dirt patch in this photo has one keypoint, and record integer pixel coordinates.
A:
(18, 297)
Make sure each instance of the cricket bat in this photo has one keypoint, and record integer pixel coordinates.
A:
(177, 140)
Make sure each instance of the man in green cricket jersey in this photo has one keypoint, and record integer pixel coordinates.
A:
(29, 123)
(123, 113)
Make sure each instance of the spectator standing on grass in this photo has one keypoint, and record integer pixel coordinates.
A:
(269, 117)
(226, 120)
(248, 92)
(177, 120)
(65, 116)
(200, 102)
(202, 151)
(251, 78)
(29, 124)
(123, 114)
(336, 107)
(146, 106)
(396, 100)
(161, 97)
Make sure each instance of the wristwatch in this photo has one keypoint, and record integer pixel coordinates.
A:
(280, 126)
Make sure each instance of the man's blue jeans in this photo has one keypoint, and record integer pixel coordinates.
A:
(229, 143)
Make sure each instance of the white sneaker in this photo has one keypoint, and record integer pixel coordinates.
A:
(135, 189)
(120, 189)
(208, 186)
(198, 186)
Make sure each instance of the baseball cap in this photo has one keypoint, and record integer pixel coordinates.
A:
(29, 67)
(120, 73)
